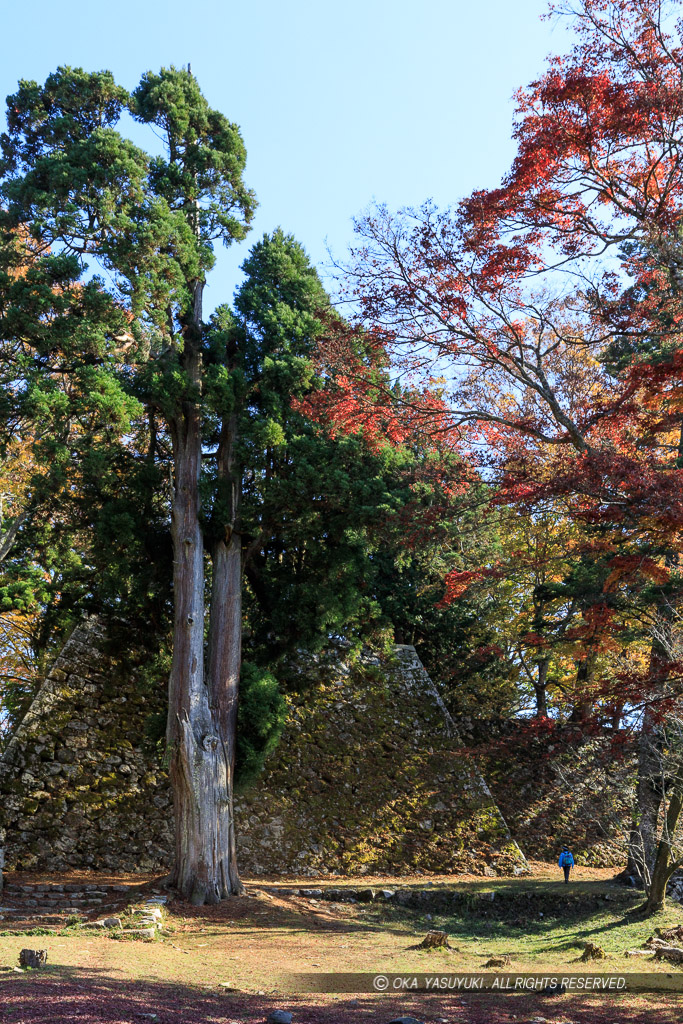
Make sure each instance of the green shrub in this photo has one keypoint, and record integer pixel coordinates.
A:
(260, 721)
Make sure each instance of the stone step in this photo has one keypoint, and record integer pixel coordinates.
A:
(32, 902)
(28, 902)
(93, 890)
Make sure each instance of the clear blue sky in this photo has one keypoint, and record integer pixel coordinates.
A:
(340, 101)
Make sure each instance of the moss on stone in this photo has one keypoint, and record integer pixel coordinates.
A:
(365, 777)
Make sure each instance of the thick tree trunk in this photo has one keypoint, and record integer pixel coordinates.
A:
(225, 634)
(202, 710)
(583, 705)
(225, 656)
(643, 839)
(643, 844)
(663, 867)
(189, 719)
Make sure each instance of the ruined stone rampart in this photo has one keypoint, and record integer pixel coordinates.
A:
(369, 776)
(78, 787)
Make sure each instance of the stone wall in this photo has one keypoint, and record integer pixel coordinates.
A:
(369, 776)
(559, 786)
(78, 785)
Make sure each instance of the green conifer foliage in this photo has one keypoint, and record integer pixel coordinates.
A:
(134, 234)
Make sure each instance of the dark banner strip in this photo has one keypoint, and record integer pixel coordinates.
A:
(441, 983)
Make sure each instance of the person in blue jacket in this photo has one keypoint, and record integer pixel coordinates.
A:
(566, 862)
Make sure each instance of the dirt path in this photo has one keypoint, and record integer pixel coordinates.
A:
(542, 871)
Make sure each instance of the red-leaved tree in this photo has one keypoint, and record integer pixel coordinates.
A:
(550, 311)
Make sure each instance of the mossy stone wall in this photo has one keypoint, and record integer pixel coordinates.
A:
(560, 786)
(369, 776)
(79, 786)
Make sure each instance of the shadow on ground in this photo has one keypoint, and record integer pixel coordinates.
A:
(87, 996)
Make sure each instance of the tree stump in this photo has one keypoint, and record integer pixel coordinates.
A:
(498, 961)
(435, 940)
(593, 952)
(33, 957)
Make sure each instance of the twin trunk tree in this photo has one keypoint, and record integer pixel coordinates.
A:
(78, 195)
(203, 691)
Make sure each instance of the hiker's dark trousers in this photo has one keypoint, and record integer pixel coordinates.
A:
(566, 868)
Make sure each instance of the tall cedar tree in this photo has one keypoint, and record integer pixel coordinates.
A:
(254, 486)
(87, 194)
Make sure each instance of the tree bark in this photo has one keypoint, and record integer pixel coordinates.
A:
(663, 867)
(9, 536)
(202, 709)
(643, 844)
(583, 706)
(643, 839)
(225, 638)
(540, 689)
(188, 709)
(225, 655)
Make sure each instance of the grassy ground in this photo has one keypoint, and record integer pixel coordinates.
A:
(255, 944)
